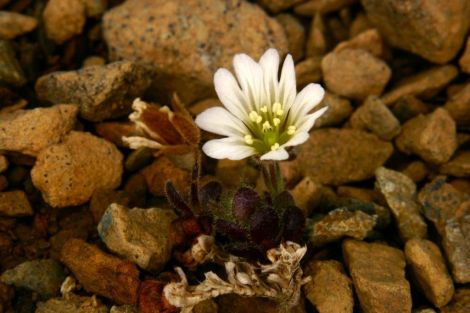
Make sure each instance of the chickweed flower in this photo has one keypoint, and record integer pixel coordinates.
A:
(263, 114)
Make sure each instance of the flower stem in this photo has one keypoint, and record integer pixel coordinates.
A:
(272, 177)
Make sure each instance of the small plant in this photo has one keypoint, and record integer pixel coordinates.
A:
(263, 116)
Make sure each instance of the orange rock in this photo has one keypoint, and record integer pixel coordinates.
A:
(101, 273)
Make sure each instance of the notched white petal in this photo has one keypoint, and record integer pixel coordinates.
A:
(307, 123)
(218, 120)
(299, 138)
(278, 155)
(229, 92)
(228, 148)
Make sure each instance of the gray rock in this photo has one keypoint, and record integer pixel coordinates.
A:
(449, 210)
(186, 41)
(43, 276)
(400, 193)
(124, 309)
(140, 235)
(341, 223)
(103, 92)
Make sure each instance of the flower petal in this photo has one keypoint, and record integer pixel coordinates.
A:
(270, 64)
(307, 123)
(218, 120)
(299, 138)
(305, 101)
(250, 77)
(279, 154)
(228, 148)
(229, 93)
(287, 84)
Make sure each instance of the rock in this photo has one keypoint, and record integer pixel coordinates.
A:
(317, 41)
(308, 71)
(71, 304)
(400, 193)
(103, 198)
(330, 289)
(13, 24)
(103, 92)
(67, 176)
(341, 223)
(432, 137)
(7, 293)
(354, 73)
(138, 159)
(429, 269)
(295, 34)
(162, 170)
(460, 303)
(95, 8)
(464, 60)
(276, 6)
(423, 85)
(339, 109)
(362, 194)
(369, 40)
(307, 194)
(206, 306)
(354, 156)
(373, 115)
(139, 235)
(124, 309)
(3, 163)
(30, 131)
(200, 106)
(64, 19)
(458, 106)
(323, 6)
(101, 273)
(233, 174)
(416, 170)
(15, 204)
(42, 276)
(449, 210)
(378, 274)
(11, 72)
(416, 26)
(408, 107)
(458, 166)
(186, 41)
(232, 303)
(94, 61)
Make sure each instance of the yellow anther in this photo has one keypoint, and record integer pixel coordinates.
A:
(291, 130)
(264, 109)
(276, 121)
(276, 107)
(266, 126)
(274, 147)
(255, 117)
(248, 139)
(279, 112)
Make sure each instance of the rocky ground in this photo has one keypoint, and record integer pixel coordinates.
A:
(383, 178)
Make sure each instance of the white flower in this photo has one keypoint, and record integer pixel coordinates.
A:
(263, 114)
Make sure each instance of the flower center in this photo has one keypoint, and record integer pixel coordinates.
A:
(268, 128)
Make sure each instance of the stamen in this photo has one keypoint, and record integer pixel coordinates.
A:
(266, 126)
(276, 107)
(291, 130)
(255, 117)
(264, 109)
(274, 147)
(280, 112)
(248, 139)
(276, 121)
